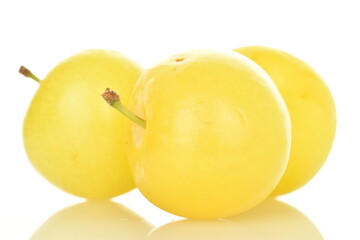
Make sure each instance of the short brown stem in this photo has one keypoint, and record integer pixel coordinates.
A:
(27, 73)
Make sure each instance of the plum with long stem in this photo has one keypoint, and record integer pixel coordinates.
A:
(70, 137)
(210, 134)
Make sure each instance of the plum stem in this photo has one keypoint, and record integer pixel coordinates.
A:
(112, 98)
(27, 73)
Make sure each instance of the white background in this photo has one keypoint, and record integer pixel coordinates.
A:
(39, 34)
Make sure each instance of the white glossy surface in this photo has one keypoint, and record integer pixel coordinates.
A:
(38, 34)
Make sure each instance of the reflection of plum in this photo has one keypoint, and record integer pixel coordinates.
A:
(272, 220)
(276, 220)
(94, 220)
(202, 230)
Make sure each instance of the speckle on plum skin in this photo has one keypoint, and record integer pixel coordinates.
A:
(74, 157)
(304, 94)
(176, 61)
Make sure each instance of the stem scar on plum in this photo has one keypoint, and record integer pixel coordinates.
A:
(112, 98)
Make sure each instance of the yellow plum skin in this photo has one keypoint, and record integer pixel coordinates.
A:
(311, 108)
(70, 134)
(217, 134)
